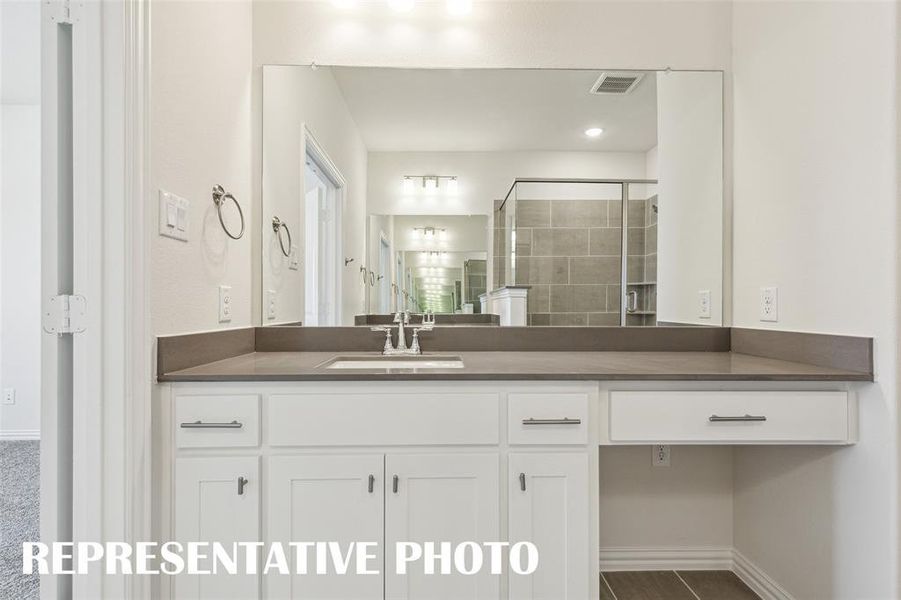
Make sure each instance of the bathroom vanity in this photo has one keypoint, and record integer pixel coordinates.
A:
(276, 446)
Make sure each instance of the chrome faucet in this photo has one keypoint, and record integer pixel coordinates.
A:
(402, 319)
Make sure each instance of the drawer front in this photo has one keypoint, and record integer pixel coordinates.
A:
(217, 421)
(724, 417)
(548, 418)
(382, 419)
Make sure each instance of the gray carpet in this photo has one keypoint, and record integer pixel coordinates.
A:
(19, 515)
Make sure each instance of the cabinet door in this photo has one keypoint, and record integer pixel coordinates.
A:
(211, 505)
(440, 498)
(327, 498)
(549, 506)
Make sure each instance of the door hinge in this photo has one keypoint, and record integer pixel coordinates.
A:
(64, 314)
(64, 11)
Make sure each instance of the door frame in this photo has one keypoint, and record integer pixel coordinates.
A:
(309, 146)
(109, 428)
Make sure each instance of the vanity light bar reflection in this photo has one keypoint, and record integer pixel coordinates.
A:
(430, 183)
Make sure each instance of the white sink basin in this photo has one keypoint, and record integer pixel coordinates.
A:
(417, 363)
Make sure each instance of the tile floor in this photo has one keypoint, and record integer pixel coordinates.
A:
(673, 585)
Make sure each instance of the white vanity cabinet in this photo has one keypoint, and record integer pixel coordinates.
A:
(217, 500)
(388, 463)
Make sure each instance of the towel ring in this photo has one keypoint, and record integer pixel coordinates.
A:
(277, 227)
(219, 198)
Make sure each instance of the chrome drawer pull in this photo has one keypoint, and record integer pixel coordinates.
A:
(741, 419)
(371, 483)
(394, 481)
(522, 481)
(202, 425)
(563, 421)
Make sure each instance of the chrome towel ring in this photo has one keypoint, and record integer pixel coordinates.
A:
(277, 226)
(220, 196)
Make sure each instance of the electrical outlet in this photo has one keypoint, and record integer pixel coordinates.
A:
(9, 395)
(769, 304)
(661, 457)
(225, 303)
(704, 304)
(270, 305)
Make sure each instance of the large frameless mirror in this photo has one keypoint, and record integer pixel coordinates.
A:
(492, 196)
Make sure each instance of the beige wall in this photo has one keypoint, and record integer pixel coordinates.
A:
(200, 123)
(816, 214)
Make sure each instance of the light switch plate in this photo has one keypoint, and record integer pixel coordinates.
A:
(173, 216)
(270, 305)
(225, 303)
(294, 261)
(704, 304)
(769, 304)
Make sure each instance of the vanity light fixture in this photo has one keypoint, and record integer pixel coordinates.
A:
(459, 8)
(430, 183)
(401, 6)
(430, 233)
(594, 132)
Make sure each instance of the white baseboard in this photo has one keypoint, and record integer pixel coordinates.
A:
(693, 559)
(761, 583)
(20, 434)
(665, 559)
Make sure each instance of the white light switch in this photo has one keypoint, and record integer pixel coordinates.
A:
(769, 304)
(173, 216)
(704, 304)
(270, 305)
(225, 303)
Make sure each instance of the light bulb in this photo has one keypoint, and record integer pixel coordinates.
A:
(459, 8)
(452, 186)
(408, 185)
(401, 5)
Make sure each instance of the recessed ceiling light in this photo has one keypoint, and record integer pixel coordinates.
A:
(459, 7)
(594, 131)
(401, 5)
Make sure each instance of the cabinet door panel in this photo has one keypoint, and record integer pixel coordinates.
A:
(327, 499)
(440, 498)
(553, 513)
(208, 508)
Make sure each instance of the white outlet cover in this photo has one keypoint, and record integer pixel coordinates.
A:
(704, 304)
(270, 305)
(173, 216)
(9, 396)
(225, 303)
(769, 304)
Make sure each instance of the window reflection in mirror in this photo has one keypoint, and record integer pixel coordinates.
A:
(504, 197)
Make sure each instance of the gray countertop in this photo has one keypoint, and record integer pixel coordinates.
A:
(502, 365)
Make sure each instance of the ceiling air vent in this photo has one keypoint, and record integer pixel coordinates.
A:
(616, 83)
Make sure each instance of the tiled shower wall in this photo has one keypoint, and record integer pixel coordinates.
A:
(568, 251)
(475, 281)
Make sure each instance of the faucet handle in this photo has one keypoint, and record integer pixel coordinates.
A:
(389, 345)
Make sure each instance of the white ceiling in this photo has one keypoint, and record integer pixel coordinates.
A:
(495, 110)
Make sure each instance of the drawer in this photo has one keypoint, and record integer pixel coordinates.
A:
(217, 421)
(343, 419)
(547, 418)
(731, 417)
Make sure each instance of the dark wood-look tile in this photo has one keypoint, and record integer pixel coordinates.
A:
(717, 585)
(648, 585)
(606, 594)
